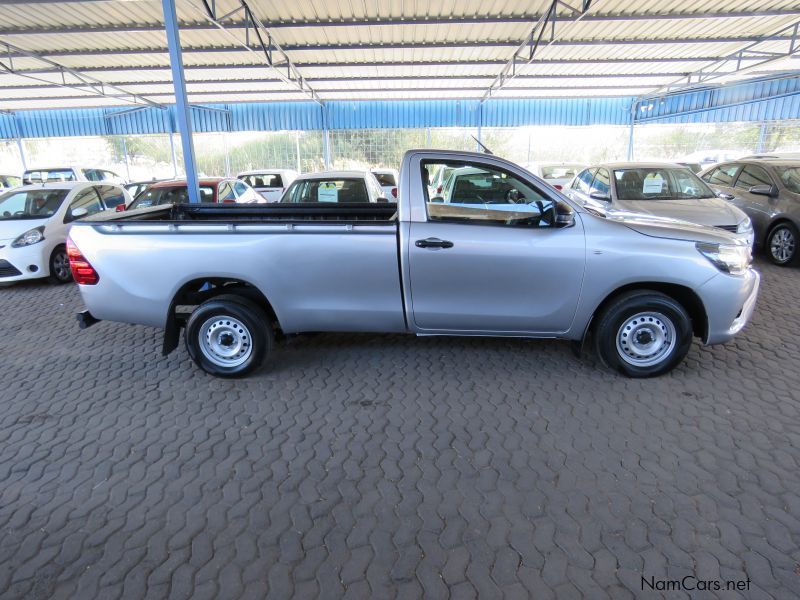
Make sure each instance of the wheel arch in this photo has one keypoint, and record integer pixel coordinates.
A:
(196, 291)
(680, 293)
(779, 220)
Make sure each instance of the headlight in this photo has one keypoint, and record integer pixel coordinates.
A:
(745, 226)
(32, 236)
(728, 258)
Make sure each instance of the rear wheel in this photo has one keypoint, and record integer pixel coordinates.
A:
(643, 334)
(59, 266)
(782, 244)
(228, 336)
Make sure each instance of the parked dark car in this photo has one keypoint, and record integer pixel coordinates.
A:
(212, 189)
(768, 191)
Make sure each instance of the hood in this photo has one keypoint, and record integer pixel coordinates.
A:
(667, 227)
(12, 229)
(704, 211)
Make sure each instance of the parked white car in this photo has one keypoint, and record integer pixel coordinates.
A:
(342, 187)
(56, 174)
(35, 221)
(557, 174)
(8, 182)
(269, 183)
(388, 178)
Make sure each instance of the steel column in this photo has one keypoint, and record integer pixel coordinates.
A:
(20, 145)
(125, 155)
(634, 108)
(326, 140)
(762, 138)
(182, 114)
(297, 149)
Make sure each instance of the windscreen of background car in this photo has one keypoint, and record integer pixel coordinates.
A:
(9, 181)
(169, 195)
(37, 204)
(386, 179)
(790, 176)
(660, 184)
(43, 176)
(560, 171)
(337, 191)
(268, 180)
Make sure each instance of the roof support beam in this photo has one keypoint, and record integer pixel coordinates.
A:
(745, 59)
(266, 48)
(69, 78)
(526, 52)
(453, 20)
(422, 45)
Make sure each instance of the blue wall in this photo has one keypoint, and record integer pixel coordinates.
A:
(752, 101)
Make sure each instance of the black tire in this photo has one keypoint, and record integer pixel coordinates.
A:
(60, 272)
(650, 317)
(235, 321)
(786, 250)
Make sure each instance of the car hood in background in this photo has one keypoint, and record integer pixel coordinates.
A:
(667, 227)
(706, 211)
(13, 228)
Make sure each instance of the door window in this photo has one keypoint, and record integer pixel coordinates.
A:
(722, 175)
(240, 188)
(112, 196)
(583, 183)
(752, 175)
(225, 193)
(87, 199)
(601, 183)
(476, 193)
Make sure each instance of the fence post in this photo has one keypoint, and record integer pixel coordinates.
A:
(297, 149)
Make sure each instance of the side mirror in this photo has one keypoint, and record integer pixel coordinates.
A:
(724, 196)
(77, 213)
(565, 216)
(763, 190)
(600, 196)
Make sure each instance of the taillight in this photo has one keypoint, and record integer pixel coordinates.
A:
(558, 187)
(394, 192)
(120, 207)
(82, 272)
(439, 190)
(229, 201)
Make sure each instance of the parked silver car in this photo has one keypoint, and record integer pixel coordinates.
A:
(658, 189)
(508, 255)
(768, 190)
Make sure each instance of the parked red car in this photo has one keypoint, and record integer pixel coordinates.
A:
(212, 189)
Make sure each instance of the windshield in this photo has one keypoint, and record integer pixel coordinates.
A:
(169, 195)
(327, 190)
(45, 175)
(790, 176)
(560, 171)
(660, 183)
(36, 204)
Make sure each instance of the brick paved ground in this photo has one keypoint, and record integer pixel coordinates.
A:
(379, 466)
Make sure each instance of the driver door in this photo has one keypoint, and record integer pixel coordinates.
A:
(487, 257)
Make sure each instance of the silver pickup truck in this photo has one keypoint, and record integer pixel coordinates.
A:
(504, 254)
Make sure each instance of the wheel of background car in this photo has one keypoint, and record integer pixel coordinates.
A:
(643, 334)
(782, 244)
(60, 271)
(228, 336)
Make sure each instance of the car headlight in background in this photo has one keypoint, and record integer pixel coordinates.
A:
(30, 237)
(745, 226)
(728, 258)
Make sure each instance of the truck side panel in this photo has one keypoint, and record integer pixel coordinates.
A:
(316, 277)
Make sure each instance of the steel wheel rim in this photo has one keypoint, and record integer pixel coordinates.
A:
(225, 341)
(646, 339)
(61, 266)
(782, 245)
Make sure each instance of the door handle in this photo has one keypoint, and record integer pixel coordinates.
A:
(433, 243)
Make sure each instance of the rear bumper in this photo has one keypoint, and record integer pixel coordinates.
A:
(730, 302)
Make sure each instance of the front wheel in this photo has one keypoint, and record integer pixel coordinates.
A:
(782, 244)
(643, 334)
(60, 271)
(228, 336)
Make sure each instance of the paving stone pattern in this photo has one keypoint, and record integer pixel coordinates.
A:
(374, 466)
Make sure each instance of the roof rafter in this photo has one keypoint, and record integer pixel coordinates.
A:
(270, 51)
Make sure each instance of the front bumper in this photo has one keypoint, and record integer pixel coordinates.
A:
(19, 264)
(730, 302)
